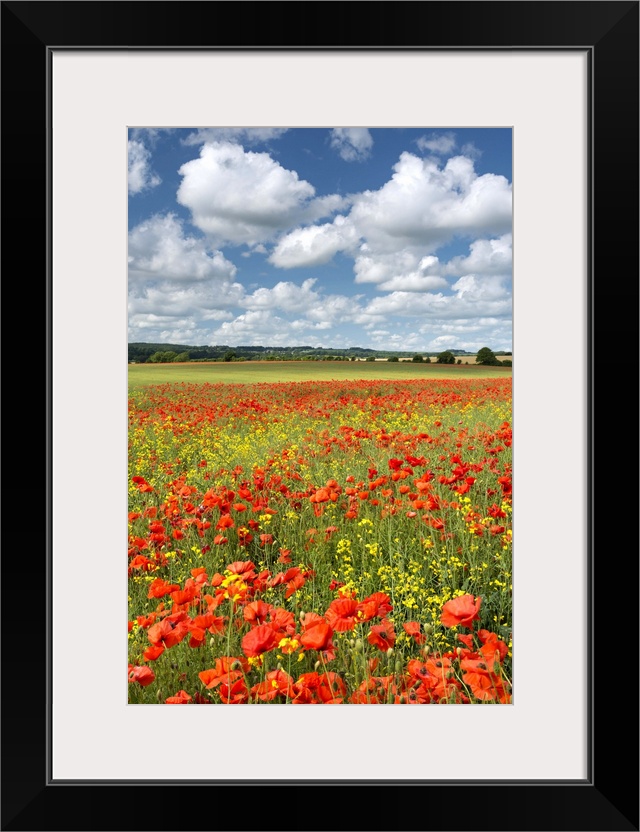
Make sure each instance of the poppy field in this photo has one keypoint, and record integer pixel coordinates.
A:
(320, 542)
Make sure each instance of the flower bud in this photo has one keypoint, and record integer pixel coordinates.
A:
(358, 646)
(390, 652)
(428, 629)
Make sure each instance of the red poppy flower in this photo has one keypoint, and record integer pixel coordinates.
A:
(153, 652)
(276, 683)
(186, 595)
(382, 635)
(303, 696)
(492, 647)
(418, 670)
(259, 640)
(181, 698)
(142, 484)
(309, 619)
(307, 681)
(282, 622)
(377, 604)
(294, 585)
(199, 699)
(466, 640)
(169, 631)
(234, 694)
(461, 611)
(222, 671)
(320, 496)
(342, 614)
(142, 675)
(160, 587)
(331, 688)
(256, 612)
(412, 628)
(209, 621)
(318, 636)
(485, 685)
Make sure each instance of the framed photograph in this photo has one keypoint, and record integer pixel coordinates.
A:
(83, 83)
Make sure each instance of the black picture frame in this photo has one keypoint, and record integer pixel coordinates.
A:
(608, 798)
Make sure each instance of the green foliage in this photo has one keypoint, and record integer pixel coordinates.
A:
(393, 358)
(487, 357)
(446, 357)
(417, 359)
(166, 357)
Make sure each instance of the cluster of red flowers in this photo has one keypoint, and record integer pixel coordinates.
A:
(445, 480)
(470, 673)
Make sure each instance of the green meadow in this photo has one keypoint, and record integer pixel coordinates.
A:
(269, 372)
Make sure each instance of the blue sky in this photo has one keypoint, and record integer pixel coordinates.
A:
(387, 238)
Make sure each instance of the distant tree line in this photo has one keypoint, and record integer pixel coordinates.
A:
(142, 353)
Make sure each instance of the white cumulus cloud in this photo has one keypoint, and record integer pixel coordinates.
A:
(159, 250)
(242, 135)
(239, 196)
(485, 257)
(140, 175)
(314, 244)
(425, 205)
(352, 143)
(438, 143)
(404, 271)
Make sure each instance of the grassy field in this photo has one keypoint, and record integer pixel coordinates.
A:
(142, 375)
(322, 541)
